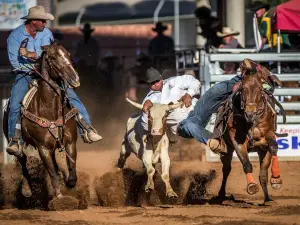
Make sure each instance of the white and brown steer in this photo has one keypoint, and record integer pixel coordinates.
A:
(149, 146)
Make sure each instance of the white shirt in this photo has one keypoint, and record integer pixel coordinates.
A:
(173, 89)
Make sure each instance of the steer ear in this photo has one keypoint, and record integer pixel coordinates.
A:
(139, 106)
(175, 106)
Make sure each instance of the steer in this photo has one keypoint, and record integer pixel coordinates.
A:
(149, 146)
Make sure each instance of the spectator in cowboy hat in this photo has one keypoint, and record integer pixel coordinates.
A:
(229, 41)
(161, 44)
(161, 49)
(228, 36)
(87, 52)
(264, 39)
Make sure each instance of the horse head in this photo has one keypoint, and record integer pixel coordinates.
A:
(58, 59)
(251, 96)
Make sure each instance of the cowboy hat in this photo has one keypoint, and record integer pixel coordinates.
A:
(38, 13)
(87, 28)
(151, 75)
(159, 27)
(258, 5)
(226, 31)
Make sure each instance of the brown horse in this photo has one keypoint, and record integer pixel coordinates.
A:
(251, 126)
(43, 124)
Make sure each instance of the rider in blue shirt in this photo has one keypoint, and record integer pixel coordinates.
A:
(22, 60)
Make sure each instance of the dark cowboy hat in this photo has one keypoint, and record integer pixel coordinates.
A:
(258, 5)
(87, 28)
(159, 27)
(152, 75)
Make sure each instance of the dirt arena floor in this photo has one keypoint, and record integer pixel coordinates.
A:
(186, 158)
(243, 209)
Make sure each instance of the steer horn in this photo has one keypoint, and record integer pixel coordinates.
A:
(139, 106)
(175, 106)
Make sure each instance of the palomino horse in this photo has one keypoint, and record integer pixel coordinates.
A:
(251, 126)
(48, 121)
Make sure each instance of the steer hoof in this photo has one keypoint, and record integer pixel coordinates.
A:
(172, 194)
(252, 188)
(149, 188)
(276, 182)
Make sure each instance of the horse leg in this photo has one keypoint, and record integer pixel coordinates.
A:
(226, 159)
(242, 153)
(49, 165)
(26, 189)
(275, 181)
(265, 161)
(71, 162)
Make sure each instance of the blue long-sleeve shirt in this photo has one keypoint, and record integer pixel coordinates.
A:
(14, 40)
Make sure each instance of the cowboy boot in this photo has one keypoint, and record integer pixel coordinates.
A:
(15, 147)
(217, 145)
(89, 133)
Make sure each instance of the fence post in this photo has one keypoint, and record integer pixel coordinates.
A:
(202, 71)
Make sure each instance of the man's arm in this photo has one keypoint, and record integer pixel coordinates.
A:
(186, 82)
(13, 51)
(189, 83)
(46, 40)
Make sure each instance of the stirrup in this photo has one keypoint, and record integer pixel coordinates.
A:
(15, 152)
(86, 138)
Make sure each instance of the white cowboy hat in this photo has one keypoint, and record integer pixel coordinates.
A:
(226, 31)
(38, 13)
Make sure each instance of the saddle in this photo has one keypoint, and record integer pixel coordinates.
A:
(52, 126)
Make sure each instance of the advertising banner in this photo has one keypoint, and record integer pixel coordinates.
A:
(288, 147)
(12, 10)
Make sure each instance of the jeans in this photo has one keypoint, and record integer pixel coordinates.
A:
(194, 125)
(19, 90)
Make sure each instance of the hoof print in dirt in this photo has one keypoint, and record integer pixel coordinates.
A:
(64, 203)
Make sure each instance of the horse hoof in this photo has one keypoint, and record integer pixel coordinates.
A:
(276, 182)
(269, 202)
(71, 182)
(252, 188)
(26, 191)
